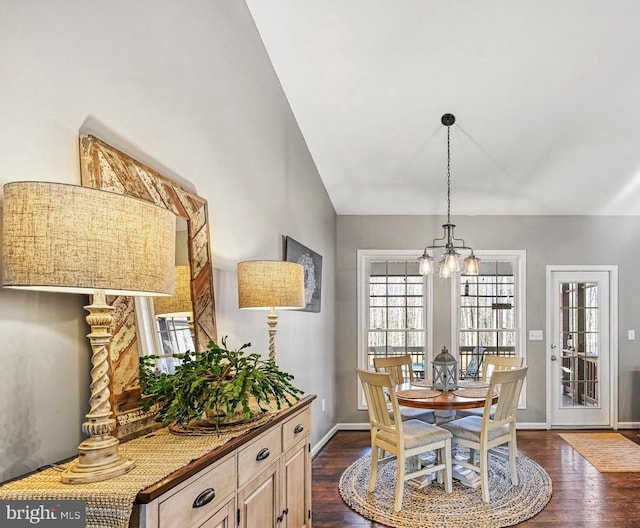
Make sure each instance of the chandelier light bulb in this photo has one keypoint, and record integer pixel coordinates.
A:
(472, 265)
(426, 264)
(451, 262)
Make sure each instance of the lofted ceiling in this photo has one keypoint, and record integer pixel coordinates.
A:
(546, 95)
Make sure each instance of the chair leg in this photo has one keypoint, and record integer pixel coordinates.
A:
(373, 474)
(448, 484)
(484, 473)
(397, 505)
(513, 452)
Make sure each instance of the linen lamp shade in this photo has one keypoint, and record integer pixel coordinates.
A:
(270, 284)
(67, 238)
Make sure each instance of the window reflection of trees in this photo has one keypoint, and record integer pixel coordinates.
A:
(175, 336)
(487, 312)
(396, 310)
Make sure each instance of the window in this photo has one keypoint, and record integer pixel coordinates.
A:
(490, 311)
(393, 304)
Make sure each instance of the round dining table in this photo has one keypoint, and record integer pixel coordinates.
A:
(443, 403)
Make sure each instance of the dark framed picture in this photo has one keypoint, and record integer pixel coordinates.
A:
(312, 263)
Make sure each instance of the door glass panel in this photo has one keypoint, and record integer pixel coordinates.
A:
(580, 337)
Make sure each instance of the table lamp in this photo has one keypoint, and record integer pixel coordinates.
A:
(272, 285)
(67, 238)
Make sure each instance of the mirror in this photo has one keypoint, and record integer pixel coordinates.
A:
(104, 167)
(173, 326)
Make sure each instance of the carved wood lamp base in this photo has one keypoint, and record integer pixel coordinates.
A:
(98, 459)
(77, 474)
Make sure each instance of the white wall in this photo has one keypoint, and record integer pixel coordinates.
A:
(188, 89)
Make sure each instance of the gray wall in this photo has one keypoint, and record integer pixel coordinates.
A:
(547, 240)
(190, 91)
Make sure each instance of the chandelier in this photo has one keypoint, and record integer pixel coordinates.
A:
(450, 261)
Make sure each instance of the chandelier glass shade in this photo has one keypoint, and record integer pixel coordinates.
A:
(450, 246)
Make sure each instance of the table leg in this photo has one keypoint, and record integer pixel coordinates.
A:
(444, 416)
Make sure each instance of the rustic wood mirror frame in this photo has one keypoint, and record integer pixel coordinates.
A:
(104, 167)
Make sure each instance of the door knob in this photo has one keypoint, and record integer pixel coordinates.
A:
(553, 358)
(553, 346)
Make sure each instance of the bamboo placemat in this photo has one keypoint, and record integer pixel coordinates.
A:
(472, 384)
(417, 394)
(479, 392)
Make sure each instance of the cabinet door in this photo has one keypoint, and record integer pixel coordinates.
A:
(223, 518)
(258, 501)
(297, 486)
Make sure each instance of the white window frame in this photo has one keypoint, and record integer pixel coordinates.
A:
(363, 269)
(518, 257)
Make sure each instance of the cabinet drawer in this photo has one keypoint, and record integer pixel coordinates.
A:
(259, 455)
(179, 509)
(296, 428)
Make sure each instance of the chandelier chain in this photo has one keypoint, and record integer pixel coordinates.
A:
(448, 175)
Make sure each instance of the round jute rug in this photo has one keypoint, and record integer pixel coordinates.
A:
(431, 506)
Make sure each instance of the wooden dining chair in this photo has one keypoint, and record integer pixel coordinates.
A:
(486, 432)
(496, 363)
(491, 365)
(401, 440)
(401, 370)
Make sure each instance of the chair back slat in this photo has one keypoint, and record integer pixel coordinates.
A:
(400, 367)
(494, 363)
(379, 391)
(508, 384)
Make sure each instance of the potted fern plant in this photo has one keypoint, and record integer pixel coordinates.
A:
(225, 386)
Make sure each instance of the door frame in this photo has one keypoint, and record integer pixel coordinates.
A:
(613, 335)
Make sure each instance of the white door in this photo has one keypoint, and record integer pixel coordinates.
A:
(579, 346)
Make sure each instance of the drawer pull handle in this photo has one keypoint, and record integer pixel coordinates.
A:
(298, 428)
(263, 454)
(204, 498)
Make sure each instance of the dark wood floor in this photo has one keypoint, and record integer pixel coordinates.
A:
(582, 497)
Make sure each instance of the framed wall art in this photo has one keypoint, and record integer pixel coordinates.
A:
(312, 263)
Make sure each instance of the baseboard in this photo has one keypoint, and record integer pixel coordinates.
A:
(628, 425)
(531, 425)
(363, 426)
(323, 441)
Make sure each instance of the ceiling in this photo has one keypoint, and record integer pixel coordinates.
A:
(546, 95)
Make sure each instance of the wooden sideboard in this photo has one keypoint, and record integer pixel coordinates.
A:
(260, 479)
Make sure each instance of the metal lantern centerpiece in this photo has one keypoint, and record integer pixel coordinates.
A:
(445, 371)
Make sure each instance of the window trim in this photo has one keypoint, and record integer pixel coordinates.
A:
(363, 269)
(519, 259)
